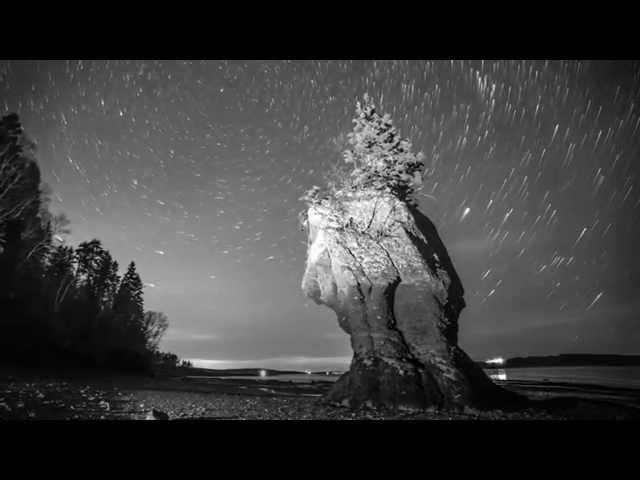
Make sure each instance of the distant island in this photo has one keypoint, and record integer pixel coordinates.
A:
(563, 360)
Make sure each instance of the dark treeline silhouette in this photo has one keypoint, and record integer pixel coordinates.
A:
(573, 360)
(60, 305)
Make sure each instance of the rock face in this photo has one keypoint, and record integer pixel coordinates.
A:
(381, 266)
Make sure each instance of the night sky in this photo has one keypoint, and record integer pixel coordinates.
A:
(194, 170)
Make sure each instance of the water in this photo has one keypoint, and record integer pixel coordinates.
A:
(304, 378)
(620, 377)
(296, 377)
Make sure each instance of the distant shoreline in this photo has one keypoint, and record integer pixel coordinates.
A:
(566, 360)
(561, 360)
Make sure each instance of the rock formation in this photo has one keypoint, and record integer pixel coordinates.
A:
(379, 263)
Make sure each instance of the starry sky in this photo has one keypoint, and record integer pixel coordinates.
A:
(194, 169)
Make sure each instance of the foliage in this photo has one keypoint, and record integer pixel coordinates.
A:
(58, 303)
(155, 324)
(128, 301)
(380, 160)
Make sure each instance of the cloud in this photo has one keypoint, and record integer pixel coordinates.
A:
(181, 334)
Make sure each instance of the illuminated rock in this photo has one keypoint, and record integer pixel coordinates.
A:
(381, 266)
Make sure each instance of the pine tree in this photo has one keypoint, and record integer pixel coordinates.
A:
(128, 307)
(380, 160)
(107, 281)
(128, 300)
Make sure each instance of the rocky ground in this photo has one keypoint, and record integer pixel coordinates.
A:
(31, 395)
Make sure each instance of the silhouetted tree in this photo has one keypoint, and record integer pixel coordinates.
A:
(60, 276)
(56, 302)
(19, 173)
(97, 275)
(155, 325)
(21, 227)
(128, 300)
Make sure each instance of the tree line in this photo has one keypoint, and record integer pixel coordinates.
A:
(59, 304)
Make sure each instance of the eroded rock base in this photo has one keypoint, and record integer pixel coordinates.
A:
(405, 384)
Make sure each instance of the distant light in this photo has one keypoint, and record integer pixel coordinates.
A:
(496, 361)
(263, 373)
(308, 372)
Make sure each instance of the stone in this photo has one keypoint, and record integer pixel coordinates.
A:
(380, 264)
(154, 414)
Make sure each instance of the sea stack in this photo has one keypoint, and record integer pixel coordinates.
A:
(379, 263)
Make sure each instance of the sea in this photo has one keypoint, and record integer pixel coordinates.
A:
(617, 377)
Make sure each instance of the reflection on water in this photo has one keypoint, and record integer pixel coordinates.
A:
(500, 375)
(296, 378)
(611, 376)
(628, 377)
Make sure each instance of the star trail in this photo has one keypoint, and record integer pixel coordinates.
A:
(194, 169)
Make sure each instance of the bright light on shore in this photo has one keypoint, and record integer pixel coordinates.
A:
(496, 361)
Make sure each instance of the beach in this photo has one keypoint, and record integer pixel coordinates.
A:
(82, 395)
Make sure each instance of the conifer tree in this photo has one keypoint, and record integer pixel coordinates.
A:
(107, 281)
(57, 303)
(380, 160)
(128, 300)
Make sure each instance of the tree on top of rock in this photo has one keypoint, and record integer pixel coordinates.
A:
(380, 159)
